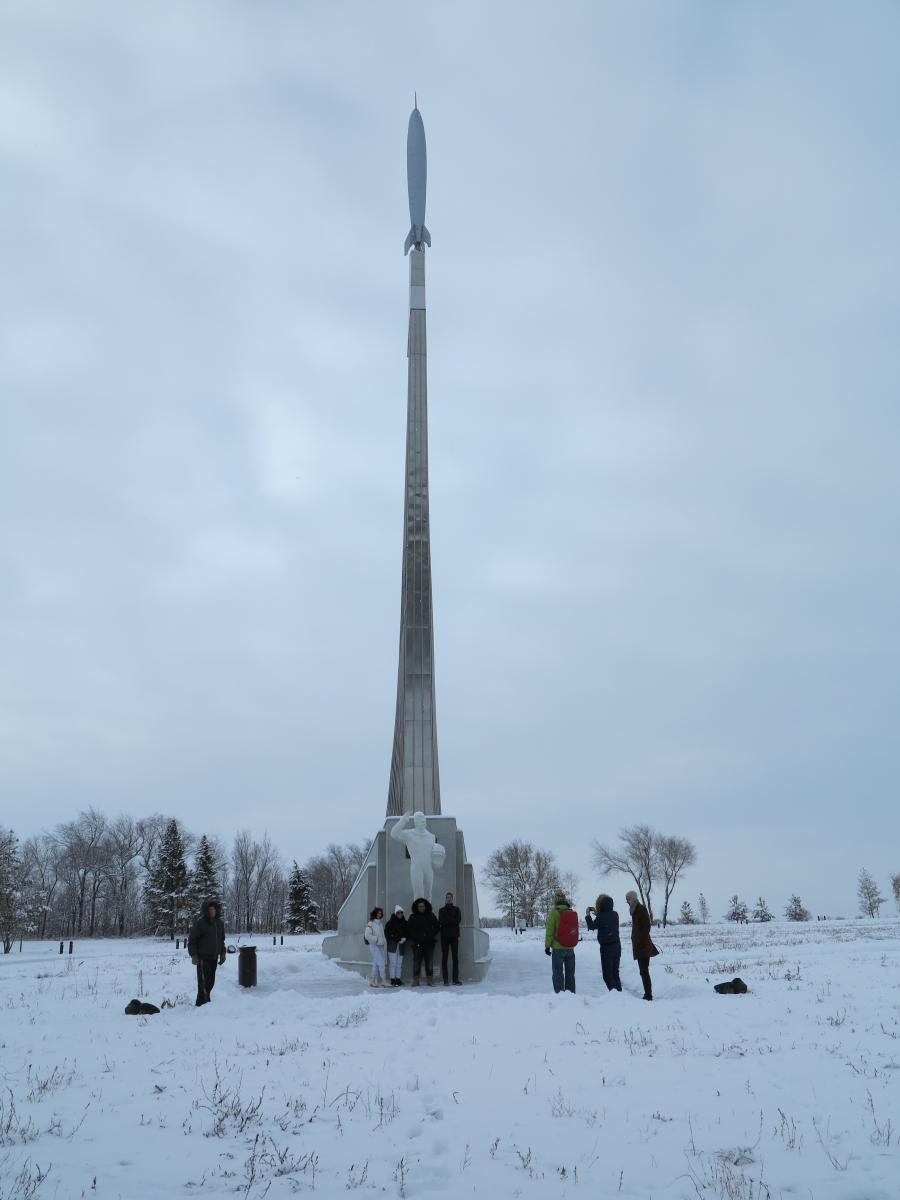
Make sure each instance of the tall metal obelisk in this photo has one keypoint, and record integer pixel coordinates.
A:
(419, 852)
(415, 781)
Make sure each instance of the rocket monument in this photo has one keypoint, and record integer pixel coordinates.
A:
(419, 850)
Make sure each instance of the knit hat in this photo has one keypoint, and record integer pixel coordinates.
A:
(399, 908)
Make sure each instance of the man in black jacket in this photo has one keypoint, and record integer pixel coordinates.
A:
(422, 929)
(605, 920)
(450, 918)
(206, 946)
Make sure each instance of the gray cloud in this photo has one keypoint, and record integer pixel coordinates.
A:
(663, 379)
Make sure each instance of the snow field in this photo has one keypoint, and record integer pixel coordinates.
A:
(314, 1083)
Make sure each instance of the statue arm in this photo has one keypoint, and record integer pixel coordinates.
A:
(399, 830)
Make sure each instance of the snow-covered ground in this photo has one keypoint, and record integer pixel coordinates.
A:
(312, 1082)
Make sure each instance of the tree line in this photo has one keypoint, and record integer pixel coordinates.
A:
(124, 876)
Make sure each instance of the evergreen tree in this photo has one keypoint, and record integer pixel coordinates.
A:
(795, 910)
(300, 907)
(168, 887)
(205, 876)
(15, 907)
(761, 912)
(870, 899)
(737, 909)
(703, 908)
(687, 914)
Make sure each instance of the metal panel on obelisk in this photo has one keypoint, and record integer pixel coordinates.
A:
(419, 851)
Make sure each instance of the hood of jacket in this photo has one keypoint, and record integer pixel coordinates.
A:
(604, 903)
(212, 902)
(416, 903)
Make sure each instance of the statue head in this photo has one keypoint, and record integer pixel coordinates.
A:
(419, 820)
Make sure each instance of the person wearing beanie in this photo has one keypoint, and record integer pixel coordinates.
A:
(395, 932)
(605, 920)
(642, 947)
(559, 943)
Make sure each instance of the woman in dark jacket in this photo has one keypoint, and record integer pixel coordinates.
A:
(396, 934)
(641, 945)
(422, 928)
(605, 920)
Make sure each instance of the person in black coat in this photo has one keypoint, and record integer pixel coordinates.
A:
(605, 920)
(396, 933)
(206, 946)
(450, 919)
(422, 928)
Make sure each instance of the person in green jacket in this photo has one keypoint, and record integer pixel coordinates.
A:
(562, 956)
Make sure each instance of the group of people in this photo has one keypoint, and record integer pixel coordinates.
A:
(563, 934)
(387, 942)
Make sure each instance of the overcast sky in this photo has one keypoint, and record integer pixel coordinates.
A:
(664, 416)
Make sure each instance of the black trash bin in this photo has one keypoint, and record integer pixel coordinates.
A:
(247, 966)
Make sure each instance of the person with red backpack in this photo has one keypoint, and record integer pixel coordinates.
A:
(560, 942)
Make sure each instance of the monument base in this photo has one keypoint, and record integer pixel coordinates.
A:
(384, 882)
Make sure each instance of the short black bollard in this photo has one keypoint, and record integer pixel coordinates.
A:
(178, 943)
(247, 966)
(60, 947)
(71, 947)
(274, 940)
(282, 939)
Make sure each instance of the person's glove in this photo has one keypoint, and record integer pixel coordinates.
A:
(547, 950)
(221, 960)
(402, 940)
(195, 960)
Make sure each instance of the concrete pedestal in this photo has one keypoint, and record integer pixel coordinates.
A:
(384, 881)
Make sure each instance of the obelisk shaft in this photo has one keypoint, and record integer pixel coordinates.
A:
(415, 782)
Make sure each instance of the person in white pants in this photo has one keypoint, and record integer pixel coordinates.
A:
(395, 932)
(377, 942)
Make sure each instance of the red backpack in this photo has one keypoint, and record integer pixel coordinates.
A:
(567, 933)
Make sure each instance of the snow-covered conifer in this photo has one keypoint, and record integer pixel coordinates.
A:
(168, 885)
(761, 912)
(870, 899)
(795, 910)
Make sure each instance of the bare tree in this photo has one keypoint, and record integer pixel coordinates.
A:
(252, 862)
(42, 857)
(674, 855)
(637, 856)
(523, 879)
(870, 899)
(125, 842)
(83, 846)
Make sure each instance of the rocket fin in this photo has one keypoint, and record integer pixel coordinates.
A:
(410, 242)
(426, 236)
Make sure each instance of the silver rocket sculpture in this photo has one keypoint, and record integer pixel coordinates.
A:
(415, 784)
(416, 178)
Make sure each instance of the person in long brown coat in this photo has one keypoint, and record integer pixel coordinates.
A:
(641, 945)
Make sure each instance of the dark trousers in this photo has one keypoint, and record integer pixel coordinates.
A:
(206, 979)
(423, 954)
(610, 957)
(644, 968)
(450, 946)
(563, 965)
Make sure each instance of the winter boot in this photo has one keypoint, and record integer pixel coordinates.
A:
(373, 982)
(429, 980)
(415, 981)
